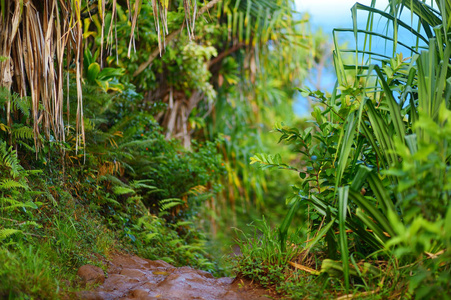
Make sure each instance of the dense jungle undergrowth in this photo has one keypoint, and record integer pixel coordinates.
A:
(161, 156)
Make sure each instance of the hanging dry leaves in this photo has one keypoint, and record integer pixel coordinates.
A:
(37, 37)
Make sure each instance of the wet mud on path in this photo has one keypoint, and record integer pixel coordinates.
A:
(132, 277)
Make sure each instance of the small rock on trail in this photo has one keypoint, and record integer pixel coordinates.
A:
(132, 277)
(90, 275)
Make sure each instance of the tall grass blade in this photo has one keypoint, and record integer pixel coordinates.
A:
(319, 235)
(342, 208)
(283, 228)
(348, 140)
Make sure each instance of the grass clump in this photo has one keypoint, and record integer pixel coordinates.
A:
(295, 273)
(262, 260)
(27, 273)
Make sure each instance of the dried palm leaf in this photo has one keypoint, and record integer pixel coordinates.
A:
(37, 36)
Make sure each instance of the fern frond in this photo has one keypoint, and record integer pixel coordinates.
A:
(6, 232)
(30, 223)
(155, 191)
(15, 204)
(134, 198)
(96, 120)
(124, 123)
(197, 190)
(112, 201)
(137, 143)
(9, 184)
(113, 179)
(150, 236)
(128, 167)
(145, 221)
(141, 184)
(169, 203)
(23, 133)
(5, 95)
(123, 154)
(184, 223)
(23, 104)
(121, 190)
(33, 172)
(9, 159)
(28, 147)
(3, 127)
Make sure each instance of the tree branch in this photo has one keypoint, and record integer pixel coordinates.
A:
(225, 53)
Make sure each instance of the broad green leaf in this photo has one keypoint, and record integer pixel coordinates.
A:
(110, 73)
(93, 72)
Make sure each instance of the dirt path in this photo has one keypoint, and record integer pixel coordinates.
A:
(132, 277)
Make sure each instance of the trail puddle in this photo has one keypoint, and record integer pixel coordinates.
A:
(132, 277)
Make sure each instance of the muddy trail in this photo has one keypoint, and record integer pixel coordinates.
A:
(132, 277)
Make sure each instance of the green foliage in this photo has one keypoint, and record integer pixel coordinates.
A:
(14, 192)
(109, 200)
(178, 243)
(22, 133)
(7, 232)
(18, 130)
(270, 161)
(195, 70)
(107, 78)
(167, 204)
(148, 189)
(20, 104)
(130, 186)
(373, 163)
(9, 161)
(375, 166)
(27, 274)
(262, 259)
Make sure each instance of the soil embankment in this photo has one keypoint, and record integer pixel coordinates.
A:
(132, 277)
